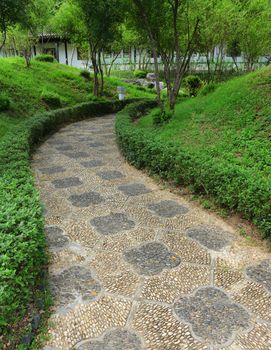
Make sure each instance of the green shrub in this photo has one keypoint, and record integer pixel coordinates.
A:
(45, 58)
(4, 102)
(141, 74)
(22, 239)
(207, 89)
(94, 98)
(51, 99)
(228, 183)
(193, 83)
(162, 118)
(85, 74)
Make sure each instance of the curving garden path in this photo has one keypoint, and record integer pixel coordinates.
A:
(136, 267)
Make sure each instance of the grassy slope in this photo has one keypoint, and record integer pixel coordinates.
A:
(24, 87)
(232, 123)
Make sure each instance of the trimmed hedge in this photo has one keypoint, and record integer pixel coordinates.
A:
(4, 102)
(231, 185)
(45, 58)
(51, 99)
(22, 239)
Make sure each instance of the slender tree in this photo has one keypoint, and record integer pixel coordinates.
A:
(102, 19)
(171, 27)
(254, 30)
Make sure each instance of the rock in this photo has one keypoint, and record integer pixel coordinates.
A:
(151, 76)
(35, 322)
(26, 340)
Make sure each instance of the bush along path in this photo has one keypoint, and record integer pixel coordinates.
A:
(136, 267)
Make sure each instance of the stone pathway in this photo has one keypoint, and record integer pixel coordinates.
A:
(136, 267)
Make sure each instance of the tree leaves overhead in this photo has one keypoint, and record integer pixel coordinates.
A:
(11, 12)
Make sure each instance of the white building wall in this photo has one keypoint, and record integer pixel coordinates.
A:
(127, 61)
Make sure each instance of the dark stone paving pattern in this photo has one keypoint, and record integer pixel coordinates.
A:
(151, 258)
(210, 237)
(76, 155)
(65, 148)
(55, 237)
(52, 170)
(113, 223)
(168, 209)
(135, 189)
(213, 316)
(117, 339)
(86, 199)
(115, 276)
(110, 174)
(85, 138)
(67, 182)
(56, 142)
(73, 283)
(93, 163)
(95, 144)
(261, 274)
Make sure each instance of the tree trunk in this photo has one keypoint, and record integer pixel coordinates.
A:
(235, 63)
(105, 66)
(4, 35)
(72, 57)
(208, 67)
(96, 74)
(27, 57)
(101, 73)
(157, 80)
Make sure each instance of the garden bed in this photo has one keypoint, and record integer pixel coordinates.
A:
(231, 185)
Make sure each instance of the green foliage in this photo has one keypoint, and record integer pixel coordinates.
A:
(22, 239)
(96, 98)
(193, 83)
(4, 102)
(223, 165)
(24, 87)
(207, 89)
(12, 12)
(160, 118)
(51, 99)
(141, 74)
(45, 58)
(85, 74)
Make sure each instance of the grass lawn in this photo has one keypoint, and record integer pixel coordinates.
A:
(24, 87)
(232, 123)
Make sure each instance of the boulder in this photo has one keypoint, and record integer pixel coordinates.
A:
(151, 76)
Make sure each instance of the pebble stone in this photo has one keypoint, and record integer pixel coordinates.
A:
(261, 273)
(117, 339)
(93, 163)
(135, 189)
(131, 267)
(212, 315)
(67, 182)
(151, 258)
(110, 174)
(55, 237)
(73, 283)
(168, 208)
(76, 155)
(210, 237)
(52, 170)
(113, 223)
(86, 199)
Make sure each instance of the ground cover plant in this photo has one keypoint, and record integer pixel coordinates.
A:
(25, 87)
(29, 101)
(22, 241)
(219, 144)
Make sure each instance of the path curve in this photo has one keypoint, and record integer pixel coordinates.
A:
(136, 267)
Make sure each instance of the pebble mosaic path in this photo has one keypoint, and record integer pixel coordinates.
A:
(136, 267)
